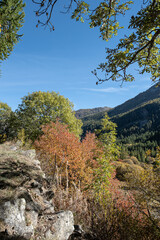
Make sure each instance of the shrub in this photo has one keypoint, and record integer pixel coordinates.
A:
(129, 161)
(123, 169)
(67, 159)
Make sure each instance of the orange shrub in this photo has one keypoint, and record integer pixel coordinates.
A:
(73, 161)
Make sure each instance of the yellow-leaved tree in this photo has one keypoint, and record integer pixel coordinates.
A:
(40, 108)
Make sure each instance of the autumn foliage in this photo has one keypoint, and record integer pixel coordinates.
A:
(66, 158)
(86, 184)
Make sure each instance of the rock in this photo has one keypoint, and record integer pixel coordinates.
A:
(49, 194)
(30, 153)
(13, 148)
(63, 225)
(80, 234)
(13, 215)
(26, 209)
(78, 229)
(60, 226)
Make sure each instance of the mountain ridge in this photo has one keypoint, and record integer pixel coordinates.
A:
(139, 99)
(138, 123)
(90, 111)
(148, 95)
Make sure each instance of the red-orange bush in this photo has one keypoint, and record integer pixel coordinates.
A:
(73, 161)
(124, 201)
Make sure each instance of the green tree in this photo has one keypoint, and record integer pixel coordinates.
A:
(108, 133)
(11, 20)
(5, 112)
(40, 108)
(140, 47)
(107, 136)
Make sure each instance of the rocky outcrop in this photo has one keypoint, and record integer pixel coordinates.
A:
(79, 234)
(26, 209)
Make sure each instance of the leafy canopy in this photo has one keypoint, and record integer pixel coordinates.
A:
(4, 108)
(11, 20)
(40, 108)
(5, 112)
(140, 47)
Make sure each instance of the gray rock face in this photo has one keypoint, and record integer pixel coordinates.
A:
(59, 226)
(26, 209)
(63, 225)
(29, 153)
(13, 215)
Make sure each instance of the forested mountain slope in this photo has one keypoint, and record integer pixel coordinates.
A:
(138, 122)
(139, 129)
(132, 104)
(81, 113)
(150, 94)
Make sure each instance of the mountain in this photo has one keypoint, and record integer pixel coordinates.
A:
(142, 98)
(138, 122)
(150, 94)
(81, 113)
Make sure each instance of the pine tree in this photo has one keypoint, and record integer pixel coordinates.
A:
(11, 20)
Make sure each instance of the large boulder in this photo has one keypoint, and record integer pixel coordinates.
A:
(26, 209)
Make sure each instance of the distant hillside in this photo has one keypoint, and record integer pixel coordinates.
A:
(81, 113)
(150, 94)
(142, 98)
(139, 129)
(138, 122)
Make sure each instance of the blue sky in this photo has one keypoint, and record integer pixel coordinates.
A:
(62, 61)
